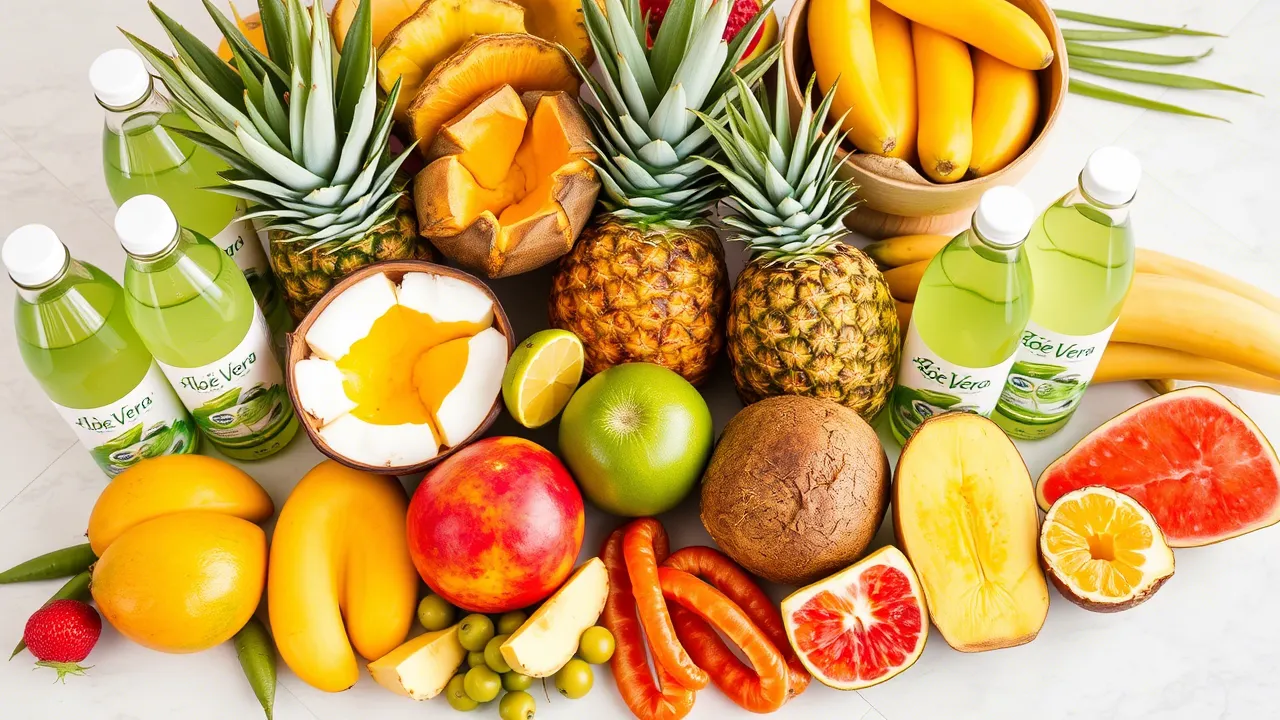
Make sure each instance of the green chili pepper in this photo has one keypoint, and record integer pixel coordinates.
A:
(57, 564)
(257, 655)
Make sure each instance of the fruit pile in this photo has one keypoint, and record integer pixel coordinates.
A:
(950, 88)
(1180, 321)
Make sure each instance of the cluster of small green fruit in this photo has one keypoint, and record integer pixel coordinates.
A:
(487, 673)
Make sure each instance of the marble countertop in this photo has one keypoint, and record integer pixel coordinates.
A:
(1206, 646)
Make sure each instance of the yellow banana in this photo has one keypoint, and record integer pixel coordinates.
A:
(1184, 315)
(905, 281)
(905, 249)
(1163, 386)
(1158, 263)
(339, 553)
(1127, 361)
(842, 47)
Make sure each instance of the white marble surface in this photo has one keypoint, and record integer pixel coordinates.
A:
(1207, 646)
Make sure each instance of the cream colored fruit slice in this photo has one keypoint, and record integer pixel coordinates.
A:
(320, 389)
(381, 445)
(541, 376)
(549, 638)
(446, 299)
(350, 316)
(421, 667)
(468, 403)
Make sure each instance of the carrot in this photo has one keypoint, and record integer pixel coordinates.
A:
(666, 700)
(644, 545)
(62, 563)
(761, 690)
(724, 574)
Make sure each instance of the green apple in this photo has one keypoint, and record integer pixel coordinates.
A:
(636, 438)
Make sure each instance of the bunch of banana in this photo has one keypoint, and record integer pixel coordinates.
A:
(1181, 321)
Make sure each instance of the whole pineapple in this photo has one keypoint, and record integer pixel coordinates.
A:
(647, 281)
(305, 137)
(809, 315)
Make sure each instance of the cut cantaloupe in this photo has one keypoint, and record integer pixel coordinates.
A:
(510, 186)
(386, 15)
(560, 21)
(485, 62)
(434, 32)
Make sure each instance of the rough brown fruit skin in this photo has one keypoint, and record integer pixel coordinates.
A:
(796, 488)
(1066, 592)
(655, 294)
(824, 327)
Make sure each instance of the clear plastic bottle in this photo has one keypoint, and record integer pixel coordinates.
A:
(142, 154)
(1081, 252)
(76, 340)
(194, 311)
(970, 311)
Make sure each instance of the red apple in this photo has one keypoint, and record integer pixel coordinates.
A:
(497, 526)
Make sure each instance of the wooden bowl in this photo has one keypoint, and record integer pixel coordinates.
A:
(296, 349)
(896, 199)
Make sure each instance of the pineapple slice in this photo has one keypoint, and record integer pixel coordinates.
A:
(560, 21)
(965, 514)
(386, 15)
(435, 32)
(501, 210)
(484, 62)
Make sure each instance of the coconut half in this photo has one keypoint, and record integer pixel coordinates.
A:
(398, 373)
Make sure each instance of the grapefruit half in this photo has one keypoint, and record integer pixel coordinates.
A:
(1194, 460)
(861, 626)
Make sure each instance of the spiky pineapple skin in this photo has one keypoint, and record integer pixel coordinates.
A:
(305, 276)
(824, 327)
(634, 294)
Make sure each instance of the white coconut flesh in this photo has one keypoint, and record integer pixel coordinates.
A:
(396, 374)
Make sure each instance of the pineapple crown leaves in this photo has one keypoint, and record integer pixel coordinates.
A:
(647, 133)
(786, 203)
(300, 126)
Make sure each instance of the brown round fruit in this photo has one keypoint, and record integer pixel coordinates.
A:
(795, 506)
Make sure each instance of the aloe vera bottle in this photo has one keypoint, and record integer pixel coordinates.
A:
(972, 306)
(1081, 252)
(76, 340)
(193, 309)
(144, 152)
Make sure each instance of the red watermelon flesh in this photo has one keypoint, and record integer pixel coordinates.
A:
(1194, 460)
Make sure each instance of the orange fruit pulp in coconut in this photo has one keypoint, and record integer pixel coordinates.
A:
(403, 369)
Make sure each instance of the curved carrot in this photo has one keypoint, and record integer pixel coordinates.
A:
(761, 690)
(644, 545)
(726, 576)
(666, 700)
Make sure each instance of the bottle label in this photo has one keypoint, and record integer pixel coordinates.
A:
(239, 240)
(239, 401)
(147, 422)
(1050, 374)
(928, 385)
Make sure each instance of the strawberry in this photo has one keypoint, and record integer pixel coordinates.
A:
(61, 634)
(739, 17)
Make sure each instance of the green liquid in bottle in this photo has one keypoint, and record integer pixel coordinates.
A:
(1082, 258)
(195, 312)
(972, 306)
(143, 155)
(75, 339)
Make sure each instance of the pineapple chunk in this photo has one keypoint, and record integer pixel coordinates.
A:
(386, 15)
(433, 33)
(502, 210)
(965, 514)
(484, 62)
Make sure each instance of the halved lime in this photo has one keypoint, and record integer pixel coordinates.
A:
(541, 376)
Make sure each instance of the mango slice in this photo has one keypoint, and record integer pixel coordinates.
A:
(965, 514)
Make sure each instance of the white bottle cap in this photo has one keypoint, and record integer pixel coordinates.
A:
(33, 255)
(119, 78)
(1004, 216)
(1111, 176)
(145, 225)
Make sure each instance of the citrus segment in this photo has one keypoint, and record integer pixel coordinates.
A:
(1195, 461)
(1103, 550)
(542, 375)
(861, 626)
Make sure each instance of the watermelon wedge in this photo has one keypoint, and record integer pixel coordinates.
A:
(1192, 458)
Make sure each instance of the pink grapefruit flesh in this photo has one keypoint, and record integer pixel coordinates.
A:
(1194, 460)
(861, 626)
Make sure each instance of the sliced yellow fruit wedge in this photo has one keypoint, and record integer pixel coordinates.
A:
(541, 376)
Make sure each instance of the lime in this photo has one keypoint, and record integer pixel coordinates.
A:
(455, 692)
(596, 645)
(541, 376)
(517, 705)
(435, 613)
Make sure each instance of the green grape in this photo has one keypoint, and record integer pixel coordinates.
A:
(518, 705)
(493, 655)
(574, 680)
(482, 684)
(455, 692)
(435, 613)
(596, 645)
(475, 632)
(511, 622)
